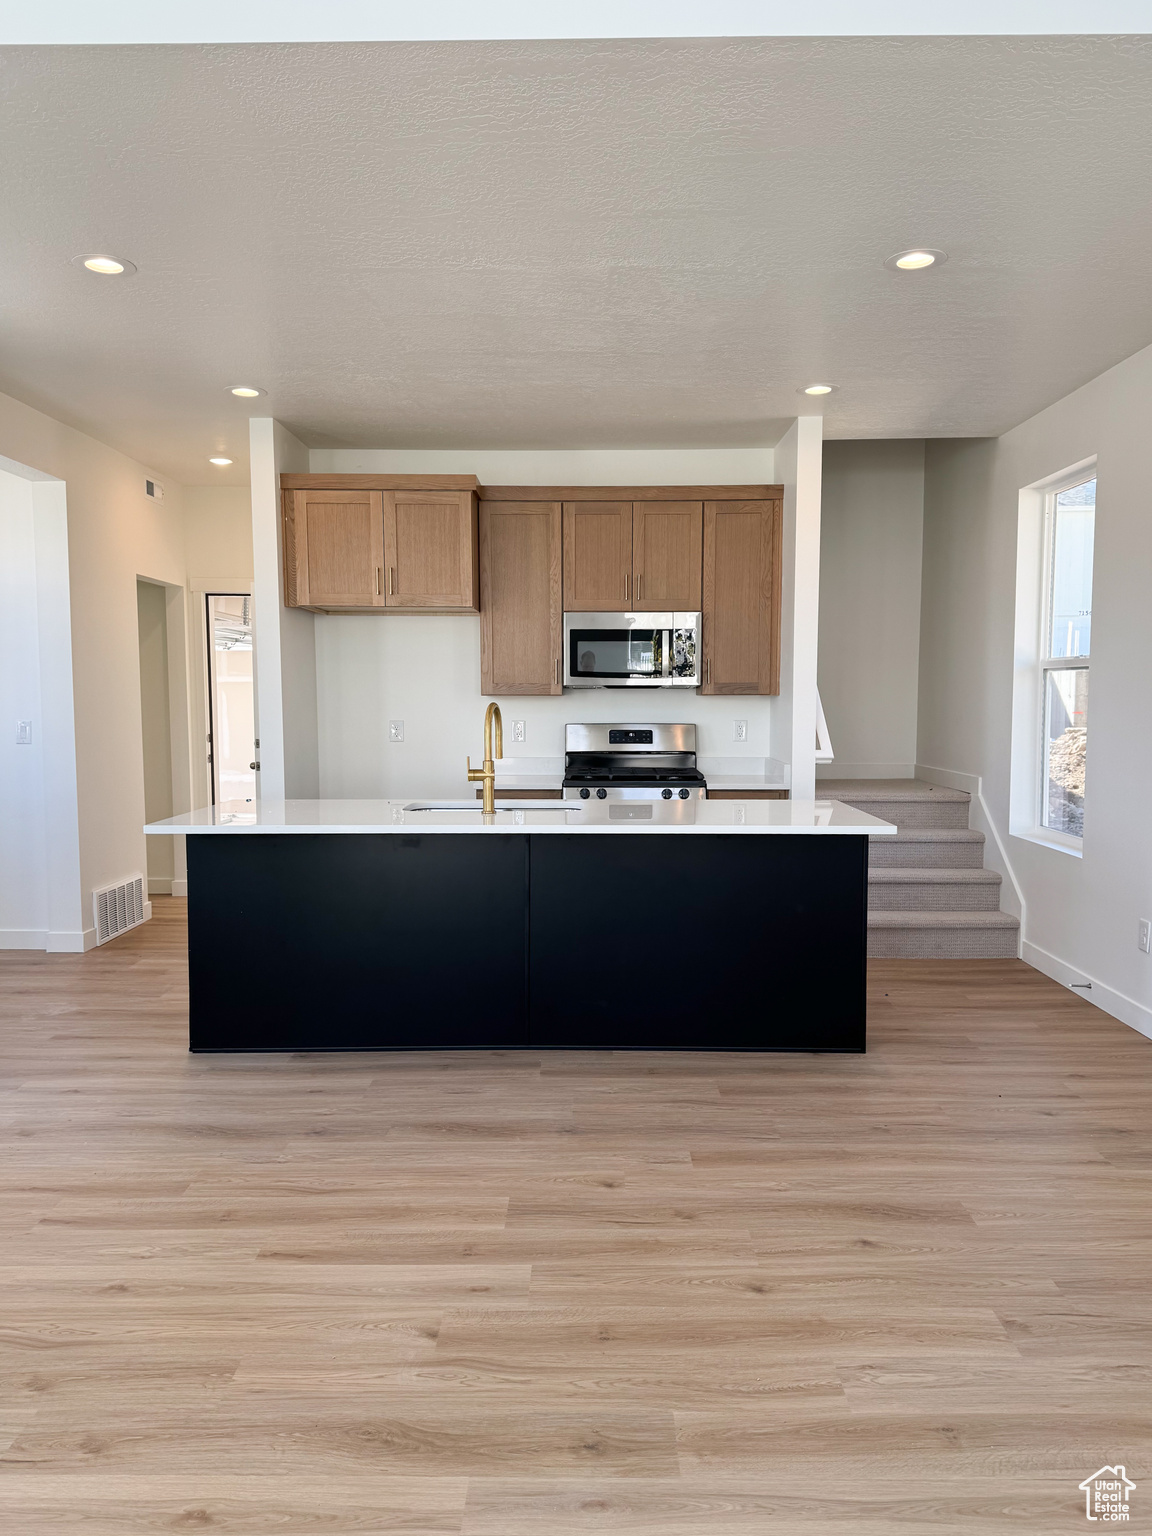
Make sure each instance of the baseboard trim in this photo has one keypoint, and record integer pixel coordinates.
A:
(179, 888)
(23, 938)
(159, 885)
(948, 779)
(1102, 996)
(71, 942)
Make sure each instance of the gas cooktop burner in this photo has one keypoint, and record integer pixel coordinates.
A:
(632, 762)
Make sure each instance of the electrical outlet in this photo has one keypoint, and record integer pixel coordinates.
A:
(1144, 939)
(395, 730)
(739, 730)
(23, 733)
(518, 730)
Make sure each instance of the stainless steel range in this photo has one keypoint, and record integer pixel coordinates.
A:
(631, 762)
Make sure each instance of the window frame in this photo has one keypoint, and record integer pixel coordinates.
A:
(1035, 589)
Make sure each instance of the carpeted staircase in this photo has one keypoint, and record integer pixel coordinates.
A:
(929, 895)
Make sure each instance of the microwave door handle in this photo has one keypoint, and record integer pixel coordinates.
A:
(666, 656)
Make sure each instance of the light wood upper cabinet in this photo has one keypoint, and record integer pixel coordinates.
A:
(521, 619)
(597, 556)
(431, 555)
(666, 555)
(333, 549)
(741, 608)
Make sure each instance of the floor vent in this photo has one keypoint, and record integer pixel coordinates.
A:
(116, 908)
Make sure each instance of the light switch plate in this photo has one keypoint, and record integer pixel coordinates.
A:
(23, 733)
(518, 730)
(1144, 939)
(395, 730)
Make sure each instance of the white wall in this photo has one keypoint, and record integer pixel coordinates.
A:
(284, 638)
(871, 547)
(426, 670)
(114, 534)
(23, 853)
(1080, 914)
(798, 463)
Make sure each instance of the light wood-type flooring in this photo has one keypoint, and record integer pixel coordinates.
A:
(539, 1295)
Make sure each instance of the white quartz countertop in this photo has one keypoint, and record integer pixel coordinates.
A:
(813, 818)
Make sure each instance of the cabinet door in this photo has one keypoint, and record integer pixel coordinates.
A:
(521, 621)
(333, 549)
(666, 554)
(741, 597)
(430, 550)
(597, 556)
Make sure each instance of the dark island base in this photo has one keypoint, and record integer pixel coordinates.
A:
(446, 942)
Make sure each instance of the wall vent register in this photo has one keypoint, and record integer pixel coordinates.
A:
(116, 908)
(631, 763)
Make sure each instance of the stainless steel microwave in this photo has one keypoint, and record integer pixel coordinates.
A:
(631, 650)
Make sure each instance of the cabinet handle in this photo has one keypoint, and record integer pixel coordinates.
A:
(391, 581)
(707, 670)
(627, 586)
(557, 669)
(377, 581)
(639, 583)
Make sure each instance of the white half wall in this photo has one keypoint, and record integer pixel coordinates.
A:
(284, 638)
(1081, 914)
(871, 548)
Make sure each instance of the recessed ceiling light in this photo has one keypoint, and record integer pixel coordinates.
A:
(221, 462)
(919, 259)
(106, 266)
(819, 389)
(246, 391)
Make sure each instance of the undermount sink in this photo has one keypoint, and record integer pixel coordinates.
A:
(501, 810)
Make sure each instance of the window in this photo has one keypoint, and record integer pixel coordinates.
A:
(1065, 652)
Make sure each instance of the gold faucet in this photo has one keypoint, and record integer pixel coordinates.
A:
(487, 775)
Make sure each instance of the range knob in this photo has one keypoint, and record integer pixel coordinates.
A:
(666, 794)
(683, 794)
(601, 794)
(584, 793)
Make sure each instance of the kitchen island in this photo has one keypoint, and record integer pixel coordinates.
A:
(418, 925)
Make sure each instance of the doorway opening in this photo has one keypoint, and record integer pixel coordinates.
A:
(156, 730)
(232, 745)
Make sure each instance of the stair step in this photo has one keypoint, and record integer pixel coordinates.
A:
(889, 789)
(927, 848)
(907, 802)
(942, 935)
(933, 890)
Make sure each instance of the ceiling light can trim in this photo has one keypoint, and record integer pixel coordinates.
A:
(220, 461)
(906, 261)
(113, 266)
(246, 391)
(818, 389)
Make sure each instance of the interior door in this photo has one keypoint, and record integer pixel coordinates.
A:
(667, 539)
(339, 541)
(597, 556)
(430, 549)
(231, 713)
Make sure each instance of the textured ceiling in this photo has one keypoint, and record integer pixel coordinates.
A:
(569, 244)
